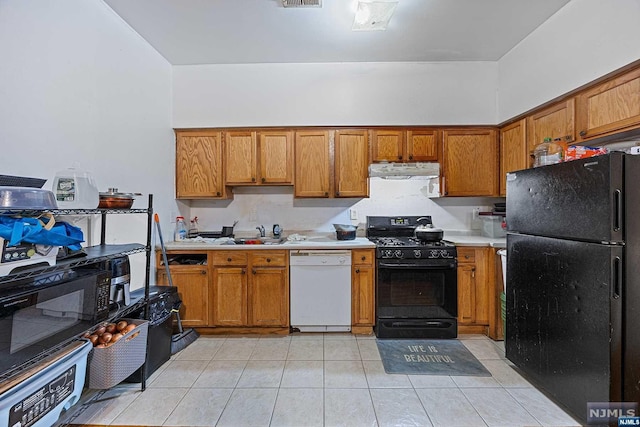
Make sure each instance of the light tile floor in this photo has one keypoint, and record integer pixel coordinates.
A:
(320, 380)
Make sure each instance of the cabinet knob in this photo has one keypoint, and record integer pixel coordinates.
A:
(410, 157)
(363, 258)
(253, 179)
(357, 270)
(244, 271)
(326, 193)
(253, 270)
(264, 180)
(399, 157)
(466, 257)
(568, 138)
(583, 133)
(229, 259)
(268, 259)
(218, 193)
(203, 271)
(337, 193)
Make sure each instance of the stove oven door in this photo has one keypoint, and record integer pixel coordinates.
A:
(417, 301)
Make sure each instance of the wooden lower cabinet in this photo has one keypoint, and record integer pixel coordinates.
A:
(250, 288)
(193, 288)
(362, 287)
(474, 281)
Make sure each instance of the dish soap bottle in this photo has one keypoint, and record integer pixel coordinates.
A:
(548, 153)
(181, 229)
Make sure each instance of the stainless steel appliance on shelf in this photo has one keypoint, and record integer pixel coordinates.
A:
(573, 279)
(416, 280)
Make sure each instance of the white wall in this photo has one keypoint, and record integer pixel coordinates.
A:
(583, 41)
(78, 85)
(334, 94)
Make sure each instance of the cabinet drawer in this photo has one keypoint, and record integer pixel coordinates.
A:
(466, 255)
(269, 259)
(229, 258)
(362, 256)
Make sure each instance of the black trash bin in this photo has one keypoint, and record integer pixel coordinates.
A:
(162, 299)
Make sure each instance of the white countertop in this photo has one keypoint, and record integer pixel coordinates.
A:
(320, 242)
(470, 239)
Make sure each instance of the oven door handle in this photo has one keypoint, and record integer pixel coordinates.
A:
(418, 266)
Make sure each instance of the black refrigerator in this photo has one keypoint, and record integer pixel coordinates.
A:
(573, 279)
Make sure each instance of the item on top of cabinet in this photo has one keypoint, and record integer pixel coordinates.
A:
(548, 153)
(345, 231)
(112, 199)
(75, 189)
(27, 198)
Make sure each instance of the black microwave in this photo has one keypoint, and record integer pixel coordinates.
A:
(42, 312)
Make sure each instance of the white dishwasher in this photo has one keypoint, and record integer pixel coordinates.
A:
(320, 294)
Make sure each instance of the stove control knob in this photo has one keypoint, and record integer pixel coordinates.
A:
(433, 254)
(388, 254)
(417, 253)
(398, 254)
(444, 254)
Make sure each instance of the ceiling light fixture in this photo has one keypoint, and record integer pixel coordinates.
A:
(373, 15)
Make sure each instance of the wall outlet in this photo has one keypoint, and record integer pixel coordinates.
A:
(475, 219)
(253, 215)
(353, 214)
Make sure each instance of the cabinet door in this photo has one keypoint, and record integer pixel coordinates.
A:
(470, 162)
(199, 165)
(268, 297)
(229, 302)
(362, 295)
(609, 107)
(193, 288)
(351, 163)
(241, 157)
(556, 121)
(466, 293)
(276, 157)
(312, 164)
(513, 151)
(422, 145)
(387, 145)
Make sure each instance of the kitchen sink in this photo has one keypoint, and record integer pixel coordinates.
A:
(260, 240)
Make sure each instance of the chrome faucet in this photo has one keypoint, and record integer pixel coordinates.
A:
(260, 228)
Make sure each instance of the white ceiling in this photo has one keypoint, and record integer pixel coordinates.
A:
(263, 31)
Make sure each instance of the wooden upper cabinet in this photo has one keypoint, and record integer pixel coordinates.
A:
(610, 107)
(199, 170)
(254, 158)
(513, 151)
(394, 145)
(556, 121)
(470, 162)
(422, 145)
(276, 157)
(241, 157)
(351, 163)
(388, 145)
(312, 164)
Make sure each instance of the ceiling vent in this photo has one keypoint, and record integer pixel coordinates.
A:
(302, 3)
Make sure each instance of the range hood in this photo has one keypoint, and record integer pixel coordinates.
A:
(405, 170)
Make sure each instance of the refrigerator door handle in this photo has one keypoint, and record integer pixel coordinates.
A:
(616, 277)
(617, 205)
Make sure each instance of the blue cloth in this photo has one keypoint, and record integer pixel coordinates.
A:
(32, 230)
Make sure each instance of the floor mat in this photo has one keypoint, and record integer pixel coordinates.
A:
(429, 357)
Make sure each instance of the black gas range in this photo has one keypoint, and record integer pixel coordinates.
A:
(416, 280)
